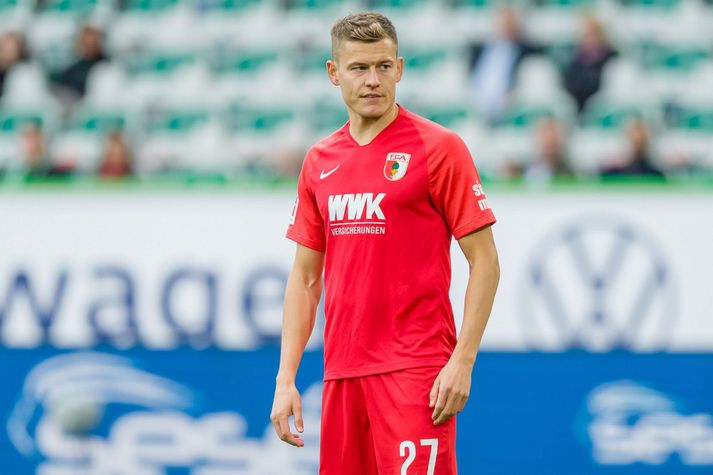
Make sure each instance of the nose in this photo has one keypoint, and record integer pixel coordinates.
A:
(372, 79)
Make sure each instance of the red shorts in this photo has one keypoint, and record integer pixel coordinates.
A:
(381, 425)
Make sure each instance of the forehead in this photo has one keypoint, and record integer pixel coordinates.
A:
(360, 51)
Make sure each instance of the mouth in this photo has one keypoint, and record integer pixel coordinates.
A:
(371, 96)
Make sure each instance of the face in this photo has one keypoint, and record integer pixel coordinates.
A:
(367, 74)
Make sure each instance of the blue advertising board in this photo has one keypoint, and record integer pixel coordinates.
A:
(141, 412)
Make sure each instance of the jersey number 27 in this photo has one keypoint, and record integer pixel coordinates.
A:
(408, 449)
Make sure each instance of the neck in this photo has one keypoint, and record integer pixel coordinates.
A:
(364, 130)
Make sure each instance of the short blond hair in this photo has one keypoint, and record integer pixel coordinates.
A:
(367, 27)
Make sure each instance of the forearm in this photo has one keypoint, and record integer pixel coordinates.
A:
(479, 296)
(301, 300)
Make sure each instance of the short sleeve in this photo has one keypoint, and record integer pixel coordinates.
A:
(455, 187)
(306, 225)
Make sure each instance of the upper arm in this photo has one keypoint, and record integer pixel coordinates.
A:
(455, 188)
(479, 246)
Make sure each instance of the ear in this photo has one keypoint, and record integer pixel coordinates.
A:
(332, 72)
(399, 68)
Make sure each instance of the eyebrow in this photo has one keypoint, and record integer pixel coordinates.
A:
(361, 63)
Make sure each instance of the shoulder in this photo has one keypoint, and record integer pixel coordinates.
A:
(333, 140)
(435, 136)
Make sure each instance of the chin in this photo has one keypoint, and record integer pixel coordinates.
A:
(372, 112)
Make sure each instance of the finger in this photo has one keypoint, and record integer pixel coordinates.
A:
(284, 427)
(441, 400)
(434, 392)
(296, 440)
(299, 421)
(447, 411)
(287, 436)
(276, 426)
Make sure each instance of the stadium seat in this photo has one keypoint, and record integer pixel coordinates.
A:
(537, 94)
(245, 61)
(15, 15)
(689, 122)
(436, 73)
(667, 67)
(260, 132)
(608, 114)
(325, 116)
(153, 25)
(51, 40)
(555, 21)
(472, 20)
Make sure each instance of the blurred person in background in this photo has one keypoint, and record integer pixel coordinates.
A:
(551, 157)
(638, 161)
(90, 51)
(35, 161)
(12, 52)
(116, 160)
(583, 74)
(494, 65)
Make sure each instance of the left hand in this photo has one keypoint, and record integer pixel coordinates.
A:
(450, 390)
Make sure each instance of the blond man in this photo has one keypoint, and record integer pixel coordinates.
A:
(378, 204)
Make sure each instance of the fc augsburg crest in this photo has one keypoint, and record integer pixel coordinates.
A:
(396, 165)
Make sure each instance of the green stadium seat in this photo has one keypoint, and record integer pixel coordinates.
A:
(478, 4)
(6, 5)
(692, 118)
(327, 116)
(561, 52)
(525, 115)
(150, 6)
(310, 60)
(313, 4)
(76, 8)
(98, 121)
(396, 4)
(446, 115)
(672, 58)
(158, 63)
(659, 4)
(241, 62)
(226, 6)
(15, 120)
(605, 114)
(175, 121)
(258, 118)
(575, 4)
(422, 60)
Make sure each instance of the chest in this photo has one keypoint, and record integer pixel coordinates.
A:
(367, 184)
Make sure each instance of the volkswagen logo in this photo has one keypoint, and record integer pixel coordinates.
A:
(598, 284)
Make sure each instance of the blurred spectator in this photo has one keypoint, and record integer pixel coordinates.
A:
(12, 52)
(116, 161)
(495, 63)
(551, 157)
(582, 76)
(638, 162)
(90, 51)
(34, 153)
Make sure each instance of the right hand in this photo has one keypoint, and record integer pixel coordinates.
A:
(287, 403)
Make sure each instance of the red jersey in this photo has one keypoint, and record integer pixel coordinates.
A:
(384, 214)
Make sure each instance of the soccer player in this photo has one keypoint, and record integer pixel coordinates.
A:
(377, 206)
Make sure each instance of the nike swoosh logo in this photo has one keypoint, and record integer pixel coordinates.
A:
(324, 175)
